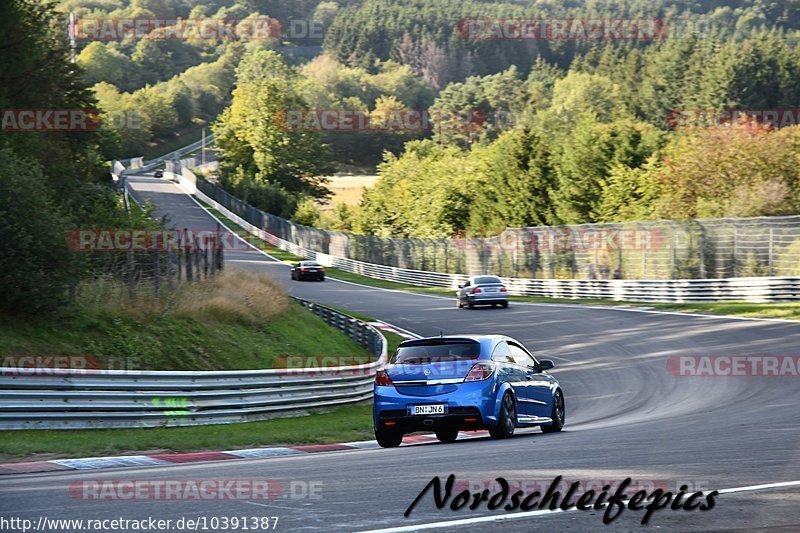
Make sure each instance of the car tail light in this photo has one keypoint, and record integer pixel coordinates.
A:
(321, 269)
(382, 378)
(475, 291)
(479, 372)
(503, 289)
(303, 270)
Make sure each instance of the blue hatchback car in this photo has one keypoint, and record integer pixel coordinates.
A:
(455, 383)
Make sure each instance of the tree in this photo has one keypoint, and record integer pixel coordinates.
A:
(36, 73)
(307, 212)
(257, 136)
(516, 184)
(101, 62)
(425, 192)
(740, 170)
(34, 260)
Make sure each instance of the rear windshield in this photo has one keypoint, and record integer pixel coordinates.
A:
(487, 280)
(436, 353)
(309, 264)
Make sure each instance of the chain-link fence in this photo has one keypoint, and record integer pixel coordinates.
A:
(184, 256)
(707, 248)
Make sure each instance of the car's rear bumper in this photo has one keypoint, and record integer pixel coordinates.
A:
(470, 406)
(310, 276)
(462, 418)
(489, 298)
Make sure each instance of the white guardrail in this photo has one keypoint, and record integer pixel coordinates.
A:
(72, 399)
(756, 289)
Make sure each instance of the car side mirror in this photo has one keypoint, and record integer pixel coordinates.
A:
(545, 364)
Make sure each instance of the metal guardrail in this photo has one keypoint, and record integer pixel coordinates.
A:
(138, 165)
(73, 399)
(750, 289)
(645, 250)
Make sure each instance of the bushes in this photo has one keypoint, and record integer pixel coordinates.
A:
(35, 264)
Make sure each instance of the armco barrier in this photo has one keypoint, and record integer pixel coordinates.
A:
(755, 289)
(65, 399)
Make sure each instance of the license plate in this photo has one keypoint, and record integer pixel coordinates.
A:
(491, 290)
(312, 270)
(437, 409)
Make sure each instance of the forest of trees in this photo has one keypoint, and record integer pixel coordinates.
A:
(563, 131)
(583, 131)
(595, 143)
(50, 182)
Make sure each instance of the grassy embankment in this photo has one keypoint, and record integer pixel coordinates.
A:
(236, 321)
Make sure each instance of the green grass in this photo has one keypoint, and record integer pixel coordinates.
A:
(372, 282)
(349, 423)
(784, 310)
(392, 341)
(236, 320)
(196, 327)
(174, 343)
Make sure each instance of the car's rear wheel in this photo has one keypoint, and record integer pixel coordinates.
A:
(558, 415)
(506, 421)
(504, 304)
(388, 439)
(470, 305)
(447, 435)
(459, 304)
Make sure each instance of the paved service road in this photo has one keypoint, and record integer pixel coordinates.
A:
(627, 416)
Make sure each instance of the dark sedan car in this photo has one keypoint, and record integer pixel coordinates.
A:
(308, 270)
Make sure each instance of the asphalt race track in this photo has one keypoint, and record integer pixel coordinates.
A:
(627, 416)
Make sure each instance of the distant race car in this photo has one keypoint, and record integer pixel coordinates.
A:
(482, 290)
(308, 270)
(450, 384)
(158, 174)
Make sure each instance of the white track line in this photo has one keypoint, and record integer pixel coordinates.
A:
(547, 512)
